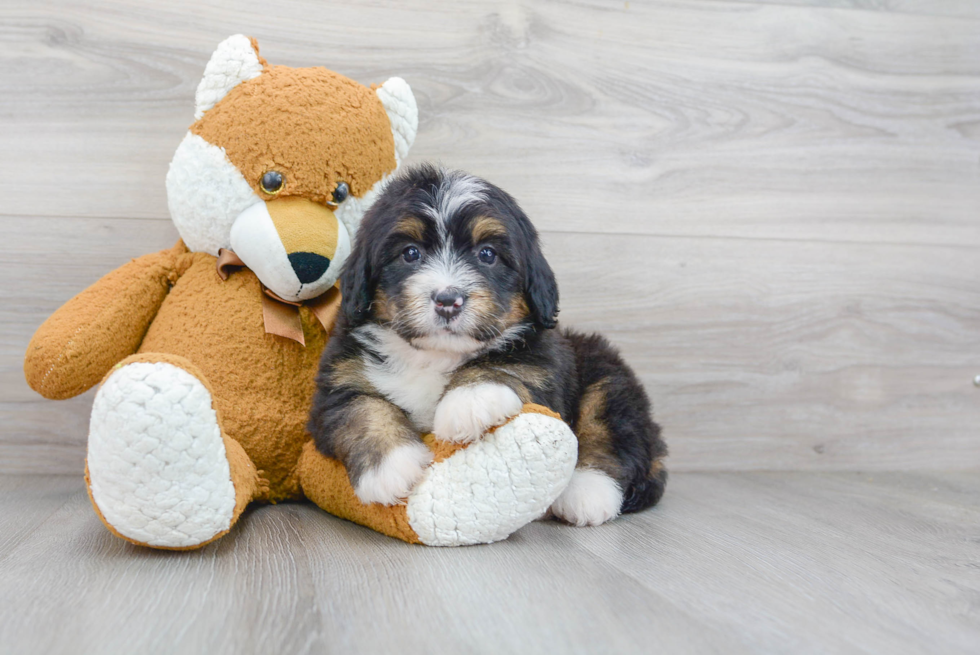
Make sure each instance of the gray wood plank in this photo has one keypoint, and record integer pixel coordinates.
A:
(730, 562)
(695, 118)
(953, 8)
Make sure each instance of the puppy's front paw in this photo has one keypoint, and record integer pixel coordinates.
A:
(466, 413)
(396, 475)
(591, 498)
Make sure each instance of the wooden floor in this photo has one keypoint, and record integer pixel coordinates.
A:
(729, 563)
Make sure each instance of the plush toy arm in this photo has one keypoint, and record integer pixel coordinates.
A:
(78, 344)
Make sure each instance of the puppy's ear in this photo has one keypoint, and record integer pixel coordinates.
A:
(540, 286)
(356, 281)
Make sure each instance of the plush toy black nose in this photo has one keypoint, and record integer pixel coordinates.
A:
(309, 266)
(449, 303)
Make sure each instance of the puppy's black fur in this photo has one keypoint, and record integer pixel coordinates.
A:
(506, 333)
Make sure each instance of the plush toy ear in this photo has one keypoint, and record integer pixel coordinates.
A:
(399, 104)
(235, 61)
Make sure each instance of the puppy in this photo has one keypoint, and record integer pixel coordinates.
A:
(448, 324)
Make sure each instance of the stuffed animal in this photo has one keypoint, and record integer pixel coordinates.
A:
(207, 352)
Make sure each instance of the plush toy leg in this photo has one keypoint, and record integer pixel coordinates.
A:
(160, 471)
(470, 495)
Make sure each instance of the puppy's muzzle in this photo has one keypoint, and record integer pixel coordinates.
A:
(449, 303)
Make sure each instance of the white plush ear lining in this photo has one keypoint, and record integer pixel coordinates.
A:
(234, 62)
(399, 103)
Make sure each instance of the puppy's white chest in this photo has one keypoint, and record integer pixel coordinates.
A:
(416, 391)
(412, 379)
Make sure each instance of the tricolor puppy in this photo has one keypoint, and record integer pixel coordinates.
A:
(448, 325)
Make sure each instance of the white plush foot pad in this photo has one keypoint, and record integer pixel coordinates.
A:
(157, 464)
(500, 483)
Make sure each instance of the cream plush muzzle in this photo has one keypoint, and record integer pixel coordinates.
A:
(284, 242)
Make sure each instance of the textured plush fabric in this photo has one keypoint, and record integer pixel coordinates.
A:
(504, 480)
(403, 113)
(205, 195)
(142, 444)
(264, 382)
(77, 345)
(234, 61)
(164, 474)
(342, 133)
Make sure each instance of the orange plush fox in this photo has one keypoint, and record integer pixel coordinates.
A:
(207, 352)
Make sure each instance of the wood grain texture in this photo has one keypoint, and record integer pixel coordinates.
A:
(729, 563)
(772, 207)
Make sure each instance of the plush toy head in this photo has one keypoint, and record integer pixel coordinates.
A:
(282, 163)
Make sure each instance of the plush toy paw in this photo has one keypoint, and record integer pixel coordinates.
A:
(390, 482)
(465, 413)
(486, 491)
(157, 467)
(591, 498)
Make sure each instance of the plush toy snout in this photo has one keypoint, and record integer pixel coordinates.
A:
(295, 246)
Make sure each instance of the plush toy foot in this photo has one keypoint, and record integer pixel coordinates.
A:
(471, 495)
(159, 471)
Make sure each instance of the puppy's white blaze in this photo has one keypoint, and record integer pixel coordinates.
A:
(591, 498)
(456, 190)
(459, 191)
(441, 270)
(466, 413)
(395, 476)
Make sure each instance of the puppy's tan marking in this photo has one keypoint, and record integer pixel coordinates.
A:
(530, 374)
(349, 373)
(383, 309)
(486, 227)
(411, 227)
(481, 306)
(480, 374)
(372, 428)
(518, 311)
(594, 437)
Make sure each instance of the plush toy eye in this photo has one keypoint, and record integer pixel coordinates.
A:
(488, 255)
(411, 254)
(272, 182)
(341, 192)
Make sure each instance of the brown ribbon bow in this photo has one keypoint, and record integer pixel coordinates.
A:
(282, 316)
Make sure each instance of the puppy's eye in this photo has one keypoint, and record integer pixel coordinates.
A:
(411, 254)
(488, 255)
(272, 182)
(341, 192)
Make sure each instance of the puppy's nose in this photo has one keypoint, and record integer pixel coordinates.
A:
(449, 303)
(309, 266)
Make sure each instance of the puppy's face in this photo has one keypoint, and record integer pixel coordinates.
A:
(450, 262)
